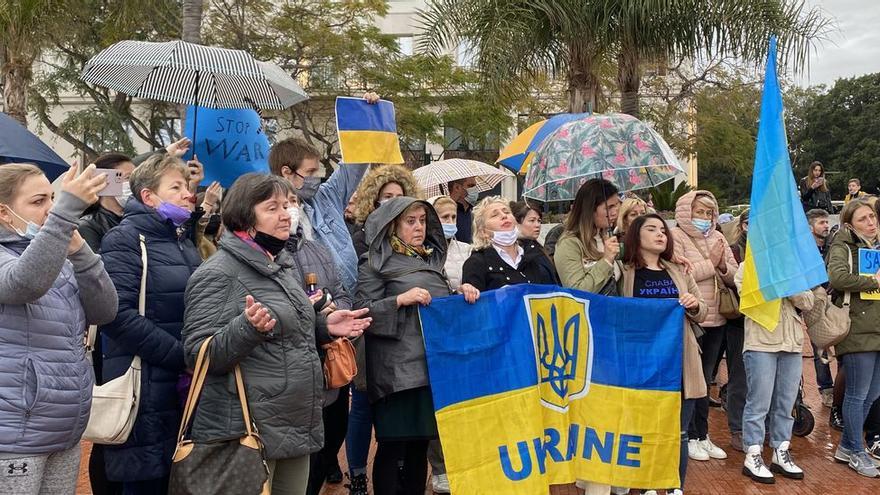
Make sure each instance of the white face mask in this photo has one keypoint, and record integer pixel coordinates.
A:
(294, 212)
(126, 194)
(505, 238)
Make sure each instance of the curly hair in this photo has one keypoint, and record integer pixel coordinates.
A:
(368, 192)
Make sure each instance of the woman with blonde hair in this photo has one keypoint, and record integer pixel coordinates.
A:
(696, 239)
(500, 258)
(631, 208)
(859, 352)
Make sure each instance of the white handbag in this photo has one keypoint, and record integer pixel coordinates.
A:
(115, 403)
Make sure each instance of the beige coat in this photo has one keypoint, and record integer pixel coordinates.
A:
(579, 272)
(693, 381)
(685, 236)
(788, 336)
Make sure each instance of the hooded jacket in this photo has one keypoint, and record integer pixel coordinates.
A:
(155, 337)
(47, 298)
(690, 243)
(395, 349)
(864, 332)
(281, 369)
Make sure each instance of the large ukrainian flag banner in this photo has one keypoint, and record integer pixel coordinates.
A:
(367, 132)
(536, 385)
(781, 255)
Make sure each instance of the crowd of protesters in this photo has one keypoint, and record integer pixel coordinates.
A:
(281, 264)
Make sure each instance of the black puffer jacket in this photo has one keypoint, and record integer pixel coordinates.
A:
(282, 373)
(93, 226)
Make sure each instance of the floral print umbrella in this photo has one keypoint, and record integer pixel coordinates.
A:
(616, 147)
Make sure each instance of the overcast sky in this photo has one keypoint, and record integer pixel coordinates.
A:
(853, 48)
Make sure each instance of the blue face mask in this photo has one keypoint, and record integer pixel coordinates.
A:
(31, 230)
(702, 225)
(449, 230)
(473, 194)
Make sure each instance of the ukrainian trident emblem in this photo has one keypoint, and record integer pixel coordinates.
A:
(563, 347)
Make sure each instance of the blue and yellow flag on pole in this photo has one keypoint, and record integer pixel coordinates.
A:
(537, 385)
(781, 255)
(367, 132)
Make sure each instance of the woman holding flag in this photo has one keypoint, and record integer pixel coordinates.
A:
(649, 271)
(860, 350)
(402, 270)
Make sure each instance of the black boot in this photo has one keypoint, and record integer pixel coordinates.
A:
(358, 485)
(836, 418)
(334, 475)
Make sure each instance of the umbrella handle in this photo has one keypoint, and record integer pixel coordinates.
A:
(195, 112)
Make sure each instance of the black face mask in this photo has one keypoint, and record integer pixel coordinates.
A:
(270, 243)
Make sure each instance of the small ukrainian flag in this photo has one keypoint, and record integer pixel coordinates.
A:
(367, 132)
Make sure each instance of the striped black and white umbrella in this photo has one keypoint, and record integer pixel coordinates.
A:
(190, 74)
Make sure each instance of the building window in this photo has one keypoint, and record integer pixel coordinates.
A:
(456, 141)
(405, 45)
(168, 130)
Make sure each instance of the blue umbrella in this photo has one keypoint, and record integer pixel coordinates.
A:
(19, 145)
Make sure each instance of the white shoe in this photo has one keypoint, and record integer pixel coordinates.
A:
(650, 492)
(696, 451)
(677, 491)
(754, 467)
(713, 450)
(440, 483)
(783, 463)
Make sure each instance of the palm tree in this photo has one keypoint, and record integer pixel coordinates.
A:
(192, 21)
(23, 28)
(569, 39)
(658, 31)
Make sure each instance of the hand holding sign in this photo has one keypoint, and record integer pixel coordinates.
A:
(869, 266)
(230, 143)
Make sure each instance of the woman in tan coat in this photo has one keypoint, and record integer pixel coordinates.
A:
(696, 239)
(650, 272)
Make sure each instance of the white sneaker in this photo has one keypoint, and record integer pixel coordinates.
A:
(696, 451)
(440, 483)
(783, 463)
(650, 492)
(713, 450)
(754, 467)
(677, 491)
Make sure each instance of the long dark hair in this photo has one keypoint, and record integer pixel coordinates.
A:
(809, 178)
(633, 241)
(579, 223)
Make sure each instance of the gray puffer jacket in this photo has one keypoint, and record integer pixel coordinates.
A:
(282, 373)
(395, 348)
(45, 380)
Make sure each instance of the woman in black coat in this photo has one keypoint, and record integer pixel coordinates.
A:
(499, 257)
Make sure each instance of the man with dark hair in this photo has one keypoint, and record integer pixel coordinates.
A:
(820, 227)
(465, 194)
(322, 204)
(108, 211)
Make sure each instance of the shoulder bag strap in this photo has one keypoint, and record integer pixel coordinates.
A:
(702, 253)
(847, 295)
(142, 298)
(242, 398)
(199, 374)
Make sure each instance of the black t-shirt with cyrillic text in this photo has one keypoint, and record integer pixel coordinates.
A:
(654, 284)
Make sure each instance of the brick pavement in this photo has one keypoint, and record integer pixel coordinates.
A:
(813, 453)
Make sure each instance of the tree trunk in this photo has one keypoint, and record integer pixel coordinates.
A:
(192, 21)
(629, 80)
(17, 75)
(583, 83)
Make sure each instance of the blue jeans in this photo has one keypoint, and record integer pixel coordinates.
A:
(823, 370)
(360, 433)
(862, 389)
(773, 380)
(687, 414)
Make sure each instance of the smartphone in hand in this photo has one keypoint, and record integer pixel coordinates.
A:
(114, 182)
